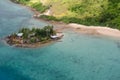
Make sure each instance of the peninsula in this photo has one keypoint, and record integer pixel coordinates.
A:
(34, 37)
(82, 17)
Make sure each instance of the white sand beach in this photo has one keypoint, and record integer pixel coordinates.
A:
(96, 30)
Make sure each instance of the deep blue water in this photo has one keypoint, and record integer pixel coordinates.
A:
(77, 57)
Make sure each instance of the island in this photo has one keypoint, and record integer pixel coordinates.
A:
(34, 37)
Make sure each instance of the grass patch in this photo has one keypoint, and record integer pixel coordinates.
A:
(39, 7)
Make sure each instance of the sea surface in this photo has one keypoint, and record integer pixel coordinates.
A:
(75, 57)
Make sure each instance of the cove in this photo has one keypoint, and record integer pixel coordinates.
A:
(77, 57)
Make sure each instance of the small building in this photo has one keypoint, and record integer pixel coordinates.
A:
(54, 36)
(57, 36)
(19, 34)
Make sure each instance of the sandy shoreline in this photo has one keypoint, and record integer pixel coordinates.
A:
(96, 30)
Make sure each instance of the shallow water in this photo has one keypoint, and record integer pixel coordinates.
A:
(77, 57)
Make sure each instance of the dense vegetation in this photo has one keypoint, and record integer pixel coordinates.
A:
(111, 16)
(37, 33)
(88, 12)
(21, 1)
(33, 35)
(39, 7)
(36, 5)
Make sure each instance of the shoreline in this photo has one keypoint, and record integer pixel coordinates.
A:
(96, 30)
(35, 45)
(92, 30)
(32, 45)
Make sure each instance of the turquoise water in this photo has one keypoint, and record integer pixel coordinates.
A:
(77, 57)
